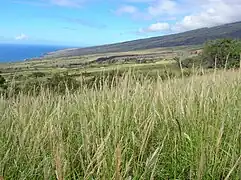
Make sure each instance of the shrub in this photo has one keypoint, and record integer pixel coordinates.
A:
(105, 78)
(189, 62)
(192, 62)
(2, 80)
(167, 74)
(37, 74)
(3, 85)
(61, 83)
(222, 53)
(57, 84)
(187, 72)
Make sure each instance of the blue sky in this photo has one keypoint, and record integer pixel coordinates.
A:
(95, 22)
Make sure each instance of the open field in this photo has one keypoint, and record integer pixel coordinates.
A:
(98, 62)
(177, 129)
(133, 115)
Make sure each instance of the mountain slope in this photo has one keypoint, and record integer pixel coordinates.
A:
(194, 37)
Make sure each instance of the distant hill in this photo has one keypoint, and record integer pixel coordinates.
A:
(194, 37)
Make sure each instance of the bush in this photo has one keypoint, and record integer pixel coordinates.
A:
(192, 62)
(167, 74)
(61, 83)
(105, 78)
(3, 85)
(18, 77)
(57, 84)
(222, 53)
(187, 72)
(2, 80)
(37, 74)
(189, 62)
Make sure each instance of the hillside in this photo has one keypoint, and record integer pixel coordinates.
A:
(194, 37)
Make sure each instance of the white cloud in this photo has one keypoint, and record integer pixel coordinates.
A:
(157, 27)
(153, 9)
(21, 37)
(184, 14)
(63, 3)
(68, 3)
(140, 1)
(162, 7)
(212, 13)
(195, 14)
(127, 9)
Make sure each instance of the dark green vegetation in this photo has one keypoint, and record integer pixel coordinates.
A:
(220, 53)
(3, 86)
(108, 118)
(195, 37)
(223, 53)
(62, 83)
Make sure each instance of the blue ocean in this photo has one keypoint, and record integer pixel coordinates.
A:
(16, 52)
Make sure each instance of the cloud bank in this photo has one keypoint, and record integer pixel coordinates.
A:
(21, 37)
(189, 14)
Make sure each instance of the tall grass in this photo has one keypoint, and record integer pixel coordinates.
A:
(177, 129)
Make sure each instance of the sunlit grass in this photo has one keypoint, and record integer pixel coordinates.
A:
(176, 129)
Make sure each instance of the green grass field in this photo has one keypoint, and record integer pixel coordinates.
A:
(124, 119)
(140, 129)
(60, 64)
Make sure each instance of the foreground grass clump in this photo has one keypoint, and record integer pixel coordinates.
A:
(176, 129)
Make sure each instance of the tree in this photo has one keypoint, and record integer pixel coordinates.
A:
(189, 62)
(222, 53)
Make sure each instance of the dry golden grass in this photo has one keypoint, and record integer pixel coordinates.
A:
(178, 129)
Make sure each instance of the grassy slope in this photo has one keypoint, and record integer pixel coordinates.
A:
(177, 129)
(195, 37)
(51, 65)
